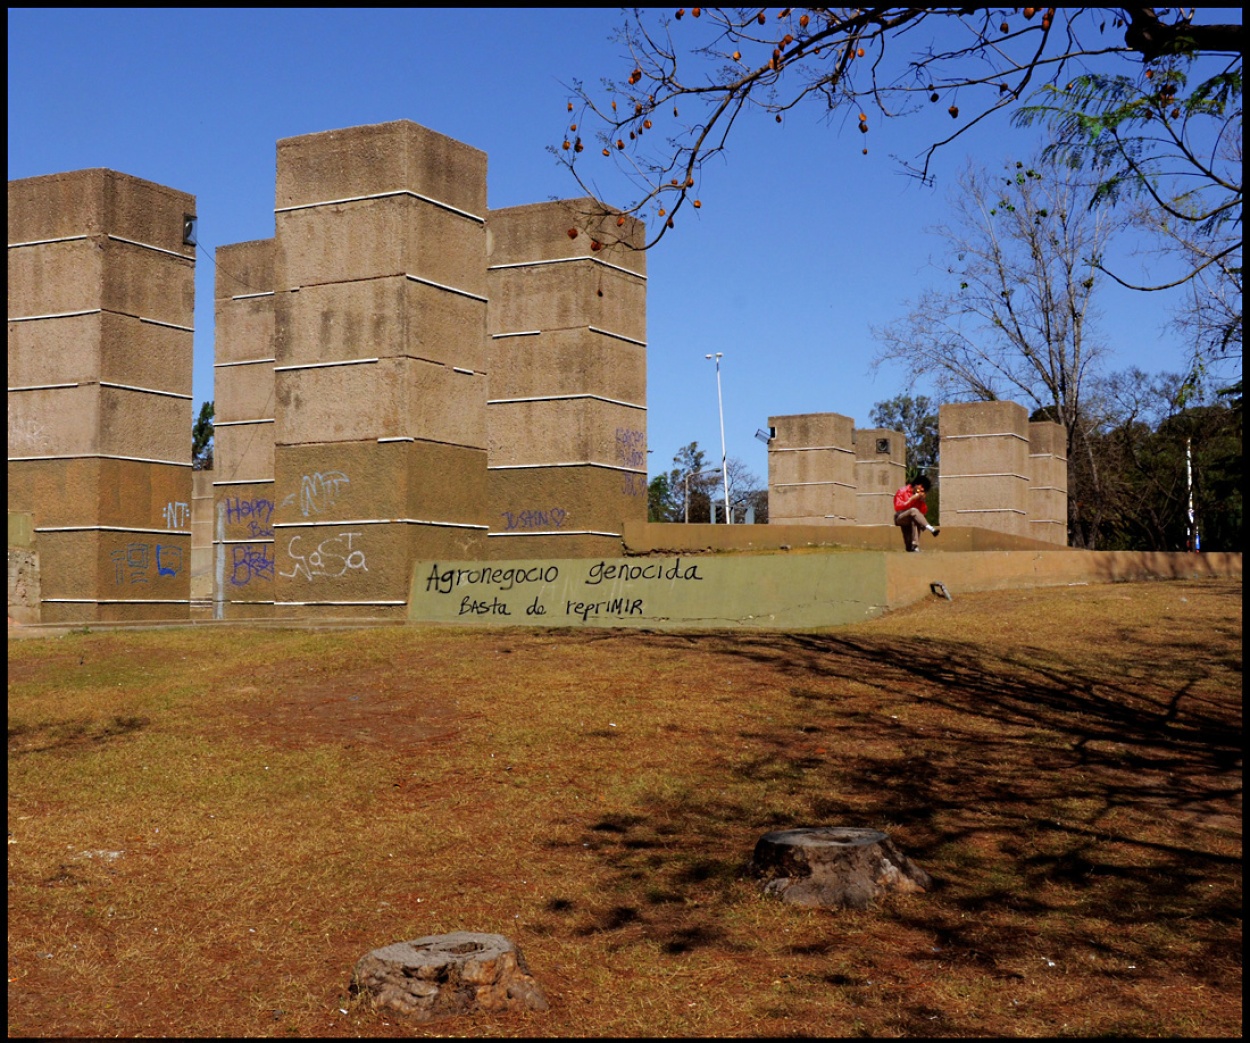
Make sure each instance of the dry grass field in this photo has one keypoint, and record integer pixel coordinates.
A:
(209, 826)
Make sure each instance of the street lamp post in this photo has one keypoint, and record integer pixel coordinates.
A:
(724, 459)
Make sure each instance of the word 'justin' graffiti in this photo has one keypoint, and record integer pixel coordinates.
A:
(248, 562)
(318, 492)
(176, 514)
(551, 519)
(257, 512)
(332, 558)
(135, 559)
(503, 578)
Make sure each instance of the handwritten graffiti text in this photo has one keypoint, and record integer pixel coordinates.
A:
(548, 519)
(333, 557)
(248, 562)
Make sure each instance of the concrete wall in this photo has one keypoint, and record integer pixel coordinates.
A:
(245, 407)
(880, 470)
(24, 586)
(566, 416)
(985, 469)
(202, 544)
(811, 470)
(763, 591)
(101, 298)
(381, 354)
(1048, 482)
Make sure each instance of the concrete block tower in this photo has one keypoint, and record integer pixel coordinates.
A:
(567, 410)
(811, 470)
(245, 409)
(1048, 482)
(880, 469)
(101, 304)
(984, 449)
(380, 375)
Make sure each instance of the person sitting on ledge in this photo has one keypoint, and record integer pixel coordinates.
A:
(910, 510)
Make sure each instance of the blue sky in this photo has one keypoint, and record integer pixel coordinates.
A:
(801, 246)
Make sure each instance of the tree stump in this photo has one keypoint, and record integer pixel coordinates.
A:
(834, 866)
(444, 975)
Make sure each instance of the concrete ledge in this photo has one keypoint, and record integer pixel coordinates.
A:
(670, 538)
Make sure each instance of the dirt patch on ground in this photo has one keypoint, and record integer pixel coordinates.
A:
(374, 709)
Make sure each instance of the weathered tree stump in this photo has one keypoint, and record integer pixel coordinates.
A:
(444, 975)
(834, 867)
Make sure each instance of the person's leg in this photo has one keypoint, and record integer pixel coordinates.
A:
(904, 525)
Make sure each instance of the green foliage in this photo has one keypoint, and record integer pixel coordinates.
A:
(1136, 135)
(1150, 469)
(202, 439)
(917, 418)
(662, 506)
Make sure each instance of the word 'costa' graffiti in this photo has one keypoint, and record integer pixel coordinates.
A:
(250, 561)
(318, 492)
(257, 512)
(132, 562)
(334, 557)
(552, 518)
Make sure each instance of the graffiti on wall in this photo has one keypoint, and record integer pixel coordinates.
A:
(177, 514)
(249, 561)
(317, 492)
(631, 451)
(331, 558)
(551, 518)
(257, 512)
(533, 590)
(133, 563)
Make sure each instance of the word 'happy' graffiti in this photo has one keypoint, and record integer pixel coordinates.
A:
(257, 512)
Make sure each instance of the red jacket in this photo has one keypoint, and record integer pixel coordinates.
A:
(907, 497)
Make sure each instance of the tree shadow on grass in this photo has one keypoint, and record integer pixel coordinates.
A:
(25, 739)
(1036, 788)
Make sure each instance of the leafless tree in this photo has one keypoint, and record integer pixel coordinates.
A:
(1014, 319)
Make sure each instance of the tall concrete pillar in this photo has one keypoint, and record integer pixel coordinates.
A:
(880, 470)
(202, 545)
(1048, 482)
(984, 450)
(380, 341)
(101, 304)
(811, 470)
(566, 415)
(245, 410)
